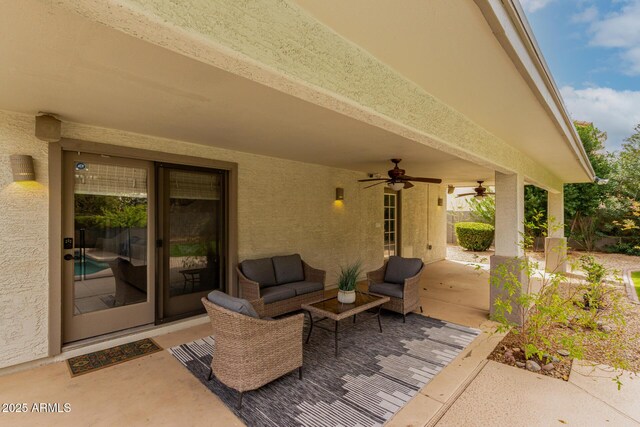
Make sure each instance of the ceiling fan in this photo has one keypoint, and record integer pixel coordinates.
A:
(398, 180)
(479, 191)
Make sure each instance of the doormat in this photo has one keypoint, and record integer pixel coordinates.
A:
(86, 363)
(374, 376)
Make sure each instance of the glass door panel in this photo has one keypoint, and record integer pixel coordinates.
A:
(107, 230)
(193, 237)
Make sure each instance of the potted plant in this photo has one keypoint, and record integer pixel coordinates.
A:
(347, 282)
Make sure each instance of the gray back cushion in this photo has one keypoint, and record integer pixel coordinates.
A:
(399, 268)
(288, 268)
(259, 270)
(237, 305)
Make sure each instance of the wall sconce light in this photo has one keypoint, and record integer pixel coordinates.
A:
(440, 201)
(22, 168)
(339, 193)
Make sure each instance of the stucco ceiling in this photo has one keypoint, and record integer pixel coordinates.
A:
(55, 61)
(447, 48)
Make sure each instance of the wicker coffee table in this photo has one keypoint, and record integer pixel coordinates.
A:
(334, 310)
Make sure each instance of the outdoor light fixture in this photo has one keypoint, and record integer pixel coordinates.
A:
(451, 189)
(440, 201)
(22, 168)
(339, 193)
(396, 186)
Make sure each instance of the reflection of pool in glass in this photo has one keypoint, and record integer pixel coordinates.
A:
(90, 267)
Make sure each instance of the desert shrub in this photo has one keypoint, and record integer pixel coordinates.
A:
(474, 236)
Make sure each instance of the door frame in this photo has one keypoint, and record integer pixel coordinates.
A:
(55, 170)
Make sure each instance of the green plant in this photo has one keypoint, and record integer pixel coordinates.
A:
(596, 273)
(554, 316)
(348, 278)
(474, 236)
(483, 209)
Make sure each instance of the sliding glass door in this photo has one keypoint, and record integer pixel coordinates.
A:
(108, 265)
(191, 237)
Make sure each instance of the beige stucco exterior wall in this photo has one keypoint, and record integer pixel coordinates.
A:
(283, 207)
(24, 283)
(424, 223)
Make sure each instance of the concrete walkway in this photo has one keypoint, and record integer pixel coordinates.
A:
(502, 395)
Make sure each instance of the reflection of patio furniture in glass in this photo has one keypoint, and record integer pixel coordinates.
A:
(192, 276)
(251, 352)
(332, 309)
(399, 280)
(131, 281)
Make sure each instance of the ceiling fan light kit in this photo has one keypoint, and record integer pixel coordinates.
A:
(396, 186)
(397, 179)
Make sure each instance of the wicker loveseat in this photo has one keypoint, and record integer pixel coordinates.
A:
(250, 352)
(398, 279)
(283, 282)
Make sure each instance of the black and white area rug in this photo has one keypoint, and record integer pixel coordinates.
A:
(374, 376)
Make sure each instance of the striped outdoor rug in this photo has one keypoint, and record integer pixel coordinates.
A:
(372, 379)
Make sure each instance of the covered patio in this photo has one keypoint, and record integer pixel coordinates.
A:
(157, 390)
(290, 104)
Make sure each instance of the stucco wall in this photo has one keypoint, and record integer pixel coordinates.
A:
(424, 223)
(283, 207)
(24, 288)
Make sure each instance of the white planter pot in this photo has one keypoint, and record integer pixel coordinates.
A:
(347, 297)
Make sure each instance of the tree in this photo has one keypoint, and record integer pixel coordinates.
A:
(483, 209)
(627, 173)
(585, 199)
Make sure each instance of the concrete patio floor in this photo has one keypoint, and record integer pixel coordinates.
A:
(157, 390)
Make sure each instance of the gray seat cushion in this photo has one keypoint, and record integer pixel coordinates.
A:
(276, 293)
(303, 287)
(288, 268)
(388, 289)
(237, 305)
(259, 270)
(399, 269)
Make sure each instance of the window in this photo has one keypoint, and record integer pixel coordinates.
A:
(390, 224)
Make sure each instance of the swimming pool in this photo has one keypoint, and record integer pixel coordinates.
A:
(90, 266)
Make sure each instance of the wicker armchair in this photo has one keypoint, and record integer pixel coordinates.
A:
(404, 299)
(250, 352)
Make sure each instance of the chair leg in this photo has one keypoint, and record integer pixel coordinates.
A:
(421, 310)
(404, 318)
(210, 374)
(239, 404)
(300, 372)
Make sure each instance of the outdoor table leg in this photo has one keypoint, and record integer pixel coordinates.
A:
(310, 326)
(336, 337)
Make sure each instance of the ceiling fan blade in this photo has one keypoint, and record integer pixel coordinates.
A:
(466, 194)
(408, 185)
(377, 183)
(372, 179)
(418, 179)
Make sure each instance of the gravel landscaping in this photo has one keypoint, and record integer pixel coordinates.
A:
(607, 343)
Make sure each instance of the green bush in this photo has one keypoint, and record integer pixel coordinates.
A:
(474, 236)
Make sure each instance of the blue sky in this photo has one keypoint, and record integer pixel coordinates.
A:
(593, 50)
